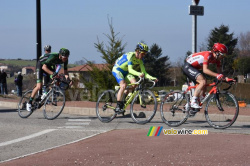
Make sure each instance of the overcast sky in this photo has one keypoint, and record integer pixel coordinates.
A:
(76, 24)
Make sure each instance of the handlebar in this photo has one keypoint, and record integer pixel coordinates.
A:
(231, 82)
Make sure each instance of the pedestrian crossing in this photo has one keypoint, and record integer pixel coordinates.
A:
(76, 124)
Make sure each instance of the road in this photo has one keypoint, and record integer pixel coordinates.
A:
(23, 137)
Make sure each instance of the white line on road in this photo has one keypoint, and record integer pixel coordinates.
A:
(26, 137)
(79, 120)
(87, 123)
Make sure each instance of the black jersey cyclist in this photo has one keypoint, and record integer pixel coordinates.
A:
(42, 67)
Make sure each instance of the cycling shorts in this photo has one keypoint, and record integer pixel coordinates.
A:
(120, 75)
(191, 72)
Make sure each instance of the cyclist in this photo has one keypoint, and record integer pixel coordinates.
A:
(200, 61)
(123, 71)
(54, 68)
(43, 67)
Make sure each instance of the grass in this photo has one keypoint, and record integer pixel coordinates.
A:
(16, 62)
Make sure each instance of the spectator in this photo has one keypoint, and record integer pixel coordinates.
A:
(4, 83)
(19, 84)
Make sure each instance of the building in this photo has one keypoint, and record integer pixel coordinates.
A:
(83, 71)
(28, 70)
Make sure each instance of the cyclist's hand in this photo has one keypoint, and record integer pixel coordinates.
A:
(230, 80)
(53, 75)
(142, 75)
(156, 80)
(220, 76)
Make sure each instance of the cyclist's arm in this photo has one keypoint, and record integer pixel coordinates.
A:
(208, 71)
(46, 69)
(145, 73)
(132, 71)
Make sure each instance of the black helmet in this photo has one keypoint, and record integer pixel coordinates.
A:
(47, 48)
(64, 52)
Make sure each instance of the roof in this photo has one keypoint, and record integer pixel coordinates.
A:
(86, 67)
(30, 67)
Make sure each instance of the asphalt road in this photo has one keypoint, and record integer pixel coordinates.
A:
(23, 137)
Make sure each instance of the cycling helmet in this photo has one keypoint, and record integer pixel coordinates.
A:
(47, 48)
(142, 47)
(64, 52)
(218, 47)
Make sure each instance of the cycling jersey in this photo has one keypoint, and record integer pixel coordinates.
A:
(51, 60)
(198, 59)
(123, 67)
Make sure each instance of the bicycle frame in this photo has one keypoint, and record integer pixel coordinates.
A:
(212, 91)
(136, 91)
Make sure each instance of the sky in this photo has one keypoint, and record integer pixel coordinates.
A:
(76, 25)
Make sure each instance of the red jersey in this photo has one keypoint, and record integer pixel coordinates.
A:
(197, 59)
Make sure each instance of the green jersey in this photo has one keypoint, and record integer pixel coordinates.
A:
(125, 65)
(52, 59)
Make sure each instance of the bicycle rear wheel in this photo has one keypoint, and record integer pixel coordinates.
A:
(173, 109)
(222, 110)
(54, 104)
(105, 106)
(22, 112)
(144, 113)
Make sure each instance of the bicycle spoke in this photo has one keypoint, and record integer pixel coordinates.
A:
(22, 112)
(222, 113)
(143, 107)
(105, 106)
(173, 109)
(54, 104)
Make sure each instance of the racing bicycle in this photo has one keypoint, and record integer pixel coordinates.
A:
(143, 103)
(221, 110)
(53, 101)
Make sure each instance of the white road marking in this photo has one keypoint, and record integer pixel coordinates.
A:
(77, 123)
(79, 120)
(26, 137)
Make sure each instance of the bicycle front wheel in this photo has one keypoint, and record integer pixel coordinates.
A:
(105, 106)
(143, 107)
(54, 104)
(222, 110)
(174, 109)
(22, 112)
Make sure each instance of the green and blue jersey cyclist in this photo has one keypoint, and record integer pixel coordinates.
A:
(43, 66)
(123, 71)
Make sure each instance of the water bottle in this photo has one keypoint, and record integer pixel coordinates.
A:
(128, 96)
(44, 92)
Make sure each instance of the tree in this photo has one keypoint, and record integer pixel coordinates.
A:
(102, 77)
(222, 35)
(244, 44)
(157, 65)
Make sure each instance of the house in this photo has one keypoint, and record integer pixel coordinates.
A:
(83, 71)
(28, 70)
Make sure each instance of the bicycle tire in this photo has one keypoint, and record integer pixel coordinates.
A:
(172, 109)
(139, 114)
(105, 106)
(22, 112)
(54, 104)
(221, 119)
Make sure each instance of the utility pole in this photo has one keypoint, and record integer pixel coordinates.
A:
(38, 30)
(195, 10)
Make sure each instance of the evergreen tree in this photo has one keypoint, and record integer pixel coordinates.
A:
(102, 77)
(157, 65)
(222, 35)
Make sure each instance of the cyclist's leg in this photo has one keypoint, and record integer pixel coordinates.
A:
(39, 74)
(121, 81)
(196, 76)
(130, 78)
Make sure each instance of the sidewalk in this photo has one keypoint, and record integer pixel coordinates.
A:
(87, 108)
